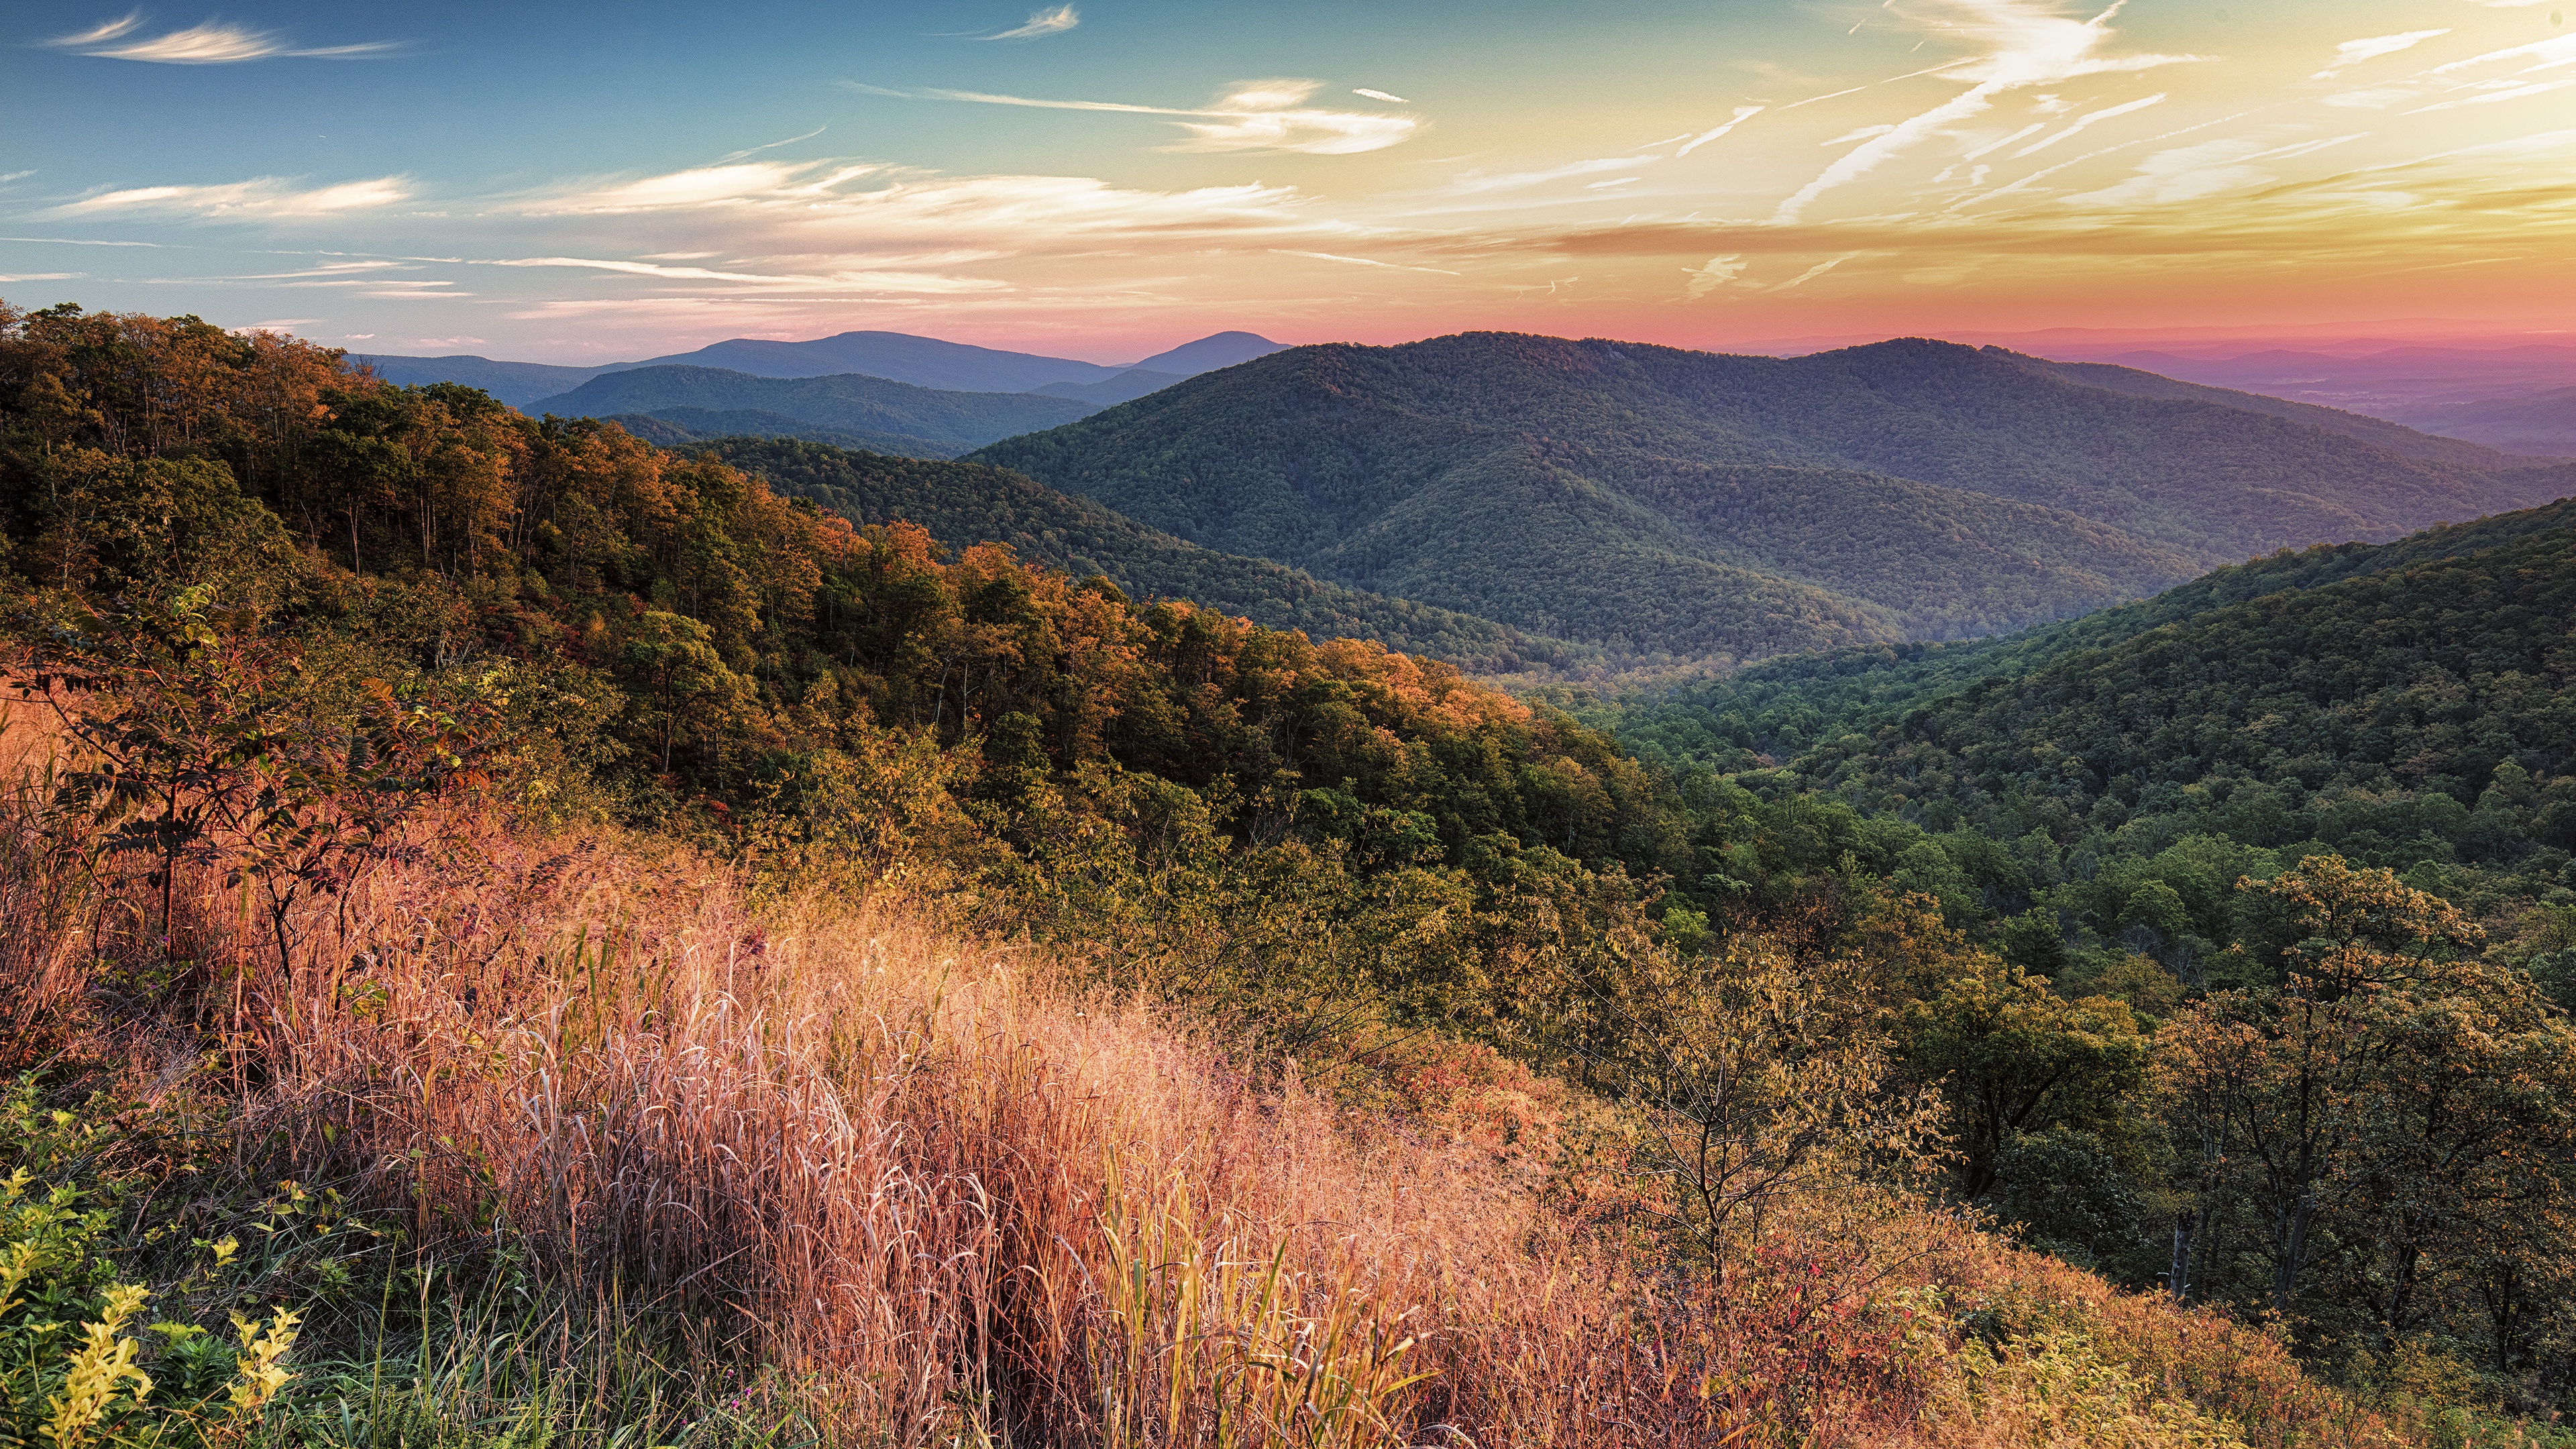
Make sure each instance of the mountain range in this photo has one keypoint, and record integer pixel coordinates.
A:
(895, 356)
(2520, 399)
(888, 416)
(1681, 506)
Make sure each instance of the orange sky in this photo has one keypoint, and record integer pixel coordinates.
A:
(1103, 180)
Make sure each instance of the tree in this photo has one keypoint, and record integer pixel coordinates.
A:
(677, 673)
(2013, 1057)
(2394, 1096)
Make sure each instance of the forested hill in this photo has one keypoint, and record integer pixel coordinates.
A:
(1732, 507)
(2410, 705)
(963, 504)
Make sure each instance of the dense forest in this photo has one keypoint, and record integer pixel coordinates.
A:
(1819, 1070)
(2404, 705)
(1676, 505)
(673, 427)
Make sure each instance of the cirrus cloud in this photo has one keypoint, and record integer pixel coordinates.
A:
(210, 43)
(1040, 23)
(1256, 115)
(262, 198)
(2021, 43)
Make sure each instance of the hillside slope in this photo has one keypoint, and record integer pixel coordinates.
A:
(2406, 704)
(963, 504)
(515, 383)
(848, 402)
(896, 356)
(2543, 423)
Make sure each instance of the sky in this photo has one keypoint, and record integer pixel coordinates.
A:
(574, 183)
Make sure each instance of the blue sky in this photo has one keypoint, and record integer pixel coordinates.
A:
(572, 182)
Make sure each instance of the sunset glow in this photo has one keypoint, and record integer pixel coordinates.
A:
(1107, 179)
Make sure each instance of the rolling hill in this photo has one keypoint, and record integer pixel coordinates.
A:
(1659, 501)
(2542, 422)
(896, 356)
(2394, 436)
(849, 403)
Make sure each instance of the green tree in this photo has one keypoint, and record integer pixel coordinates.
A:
(2013, 1057)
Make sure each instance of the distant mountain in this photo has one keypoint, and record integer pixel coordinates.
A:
(962, 504)
(2390, 435)
(2407, 384)
(678, 427)
(1661, 502)
(1127, 386)
(2543, 423)
(1223, 349)
(515, 383)
(895, 356)
(849, 403)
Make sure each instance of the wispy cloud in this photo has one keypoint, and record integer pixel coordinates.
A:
(1475, 182)
(2351, 53)
(263, 198)
(2189, 173)
(1716, 272)
(1380, 96)
(849, 281)
(1262, 115)
(1818, 270)
(2023, 43)
(2494, 91)
(1362, 261)
(770, 145)
(703, 186)
(821, 223)
(1742, 115)
(1040, 22)
(211, 43)
(2085, 121)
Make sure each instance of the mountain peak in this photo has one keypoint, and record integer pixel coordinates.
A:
(1221, 349)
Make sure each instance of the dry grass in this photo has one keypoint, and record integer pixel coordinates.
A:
(959, 1203)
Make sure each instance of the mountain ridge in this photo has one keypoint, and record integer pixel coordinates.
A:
(851, 402)
(895, 356)
(1656, 500)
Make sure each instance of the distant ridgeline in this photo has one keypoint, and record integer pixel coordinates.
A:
(2409, 705)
